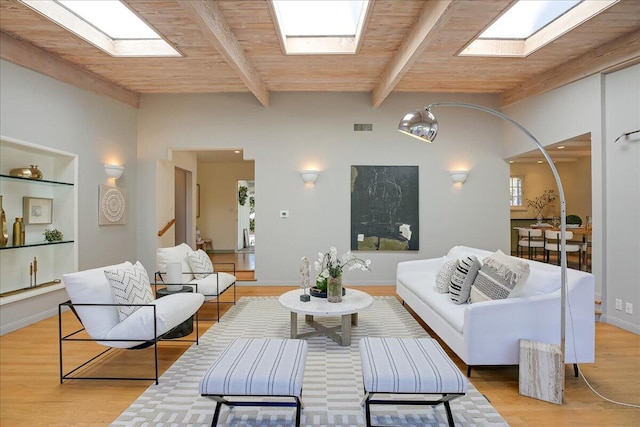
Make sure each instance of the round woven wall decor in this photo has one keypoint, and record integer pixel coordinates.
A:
(113, 205)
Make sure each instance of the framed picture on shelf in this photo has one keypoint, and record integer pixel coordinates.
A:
(37, 210)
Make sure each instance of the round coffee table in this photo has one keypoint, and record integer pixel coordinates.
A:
(352, 302)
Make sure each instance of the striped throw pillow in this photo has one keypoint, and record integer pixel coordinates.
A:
(462, 279)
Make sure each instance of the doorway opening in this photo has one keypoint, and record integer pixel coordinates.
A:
(572, 159)
(246, 216)
(182, 202)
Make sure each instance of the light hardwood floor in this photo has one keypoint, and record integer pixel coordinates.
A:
(31, 395)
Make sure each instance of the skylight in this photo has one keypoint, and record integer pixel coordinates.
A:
(107, 24)
(529, 25)
(526, 18)
(310, 27)
(112, 18)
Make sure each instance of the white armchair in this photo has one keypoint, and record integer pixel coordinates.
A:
(117, 309)
(197, 271)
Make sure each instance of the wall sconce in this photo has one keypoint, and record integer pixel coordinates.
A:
(309, 176)
(458, 176)
(113, 171)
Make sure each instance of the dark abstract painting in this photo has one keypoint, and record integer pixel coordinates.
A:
(384, 208)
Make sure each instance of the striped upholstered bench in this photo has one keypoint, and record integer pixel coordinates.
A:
(257, 367)
(409, 366)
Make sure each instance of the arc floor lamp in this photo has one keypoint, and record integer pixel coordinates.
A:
(423, 125)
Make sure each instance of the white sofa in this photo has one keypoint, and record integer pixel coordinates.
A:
(488, 332)
(211, 284)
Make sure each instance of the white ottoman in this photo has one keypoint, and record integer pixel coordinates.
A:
(409, 366)
(257, 367)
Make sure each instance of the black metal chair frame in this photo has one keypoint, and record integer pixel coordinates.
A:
(160, 280)
(71, 337)
(220, 400)
(444, 399)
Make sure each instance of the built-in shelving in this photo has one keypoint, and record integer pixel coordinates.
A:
(53, 259)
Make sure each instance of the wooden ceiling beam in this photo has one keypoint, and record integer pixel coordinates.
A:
(434, 16)
(41, 61)
(621, 52)
(214, 27)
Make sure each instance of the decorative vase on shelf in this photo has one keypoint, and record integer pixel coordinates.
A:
(18, 236)
(4, 236)
(334, 289)
(35, 172)
(539, 218)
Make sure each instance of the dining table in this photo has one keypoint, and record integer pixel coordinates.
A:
(583, 231)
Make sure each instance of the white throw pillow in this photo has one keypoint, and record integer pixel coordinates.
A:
(443, 279)
(171, 254)
(462, 279)
(511, 269)
(200, 263)
(129, 285)
(92, 287)
(498, 277)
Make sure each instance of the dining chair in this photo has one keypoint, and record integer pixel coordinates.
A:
(530, 238)
(552, 244)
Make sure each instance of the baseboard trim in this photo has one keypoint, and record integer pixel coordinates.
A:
(19, 324)
(627, 326)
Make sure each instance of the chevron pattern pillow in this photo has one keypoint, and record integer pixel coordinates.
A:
(200, 263)
(129, 285)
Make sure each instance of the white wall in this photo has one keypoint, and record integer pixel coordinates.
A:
(304, 130)
(604, 106)
(38, 109)
(622, 195)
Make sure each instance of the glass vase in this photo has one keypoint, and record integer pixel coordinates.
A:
(334, 289)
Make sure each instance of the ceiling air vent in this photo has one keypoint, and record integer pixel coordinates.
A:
(362, 127)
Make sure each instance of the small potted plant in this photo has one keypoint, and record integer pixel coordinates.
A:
(52, 235)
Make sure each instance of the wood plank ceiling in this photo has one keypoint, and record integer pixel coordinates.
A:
(408, 45)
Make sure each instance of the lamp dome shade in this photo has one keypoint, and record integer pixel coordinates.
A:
(420, 124)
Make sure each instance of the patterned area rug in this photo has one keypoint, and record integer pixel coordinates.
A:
(332, 386)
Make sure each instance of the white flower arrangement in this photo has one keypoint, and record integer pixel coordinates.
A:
(329, 265)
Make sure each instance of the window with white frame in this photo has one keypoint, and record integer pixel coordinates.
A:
(516, 185)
